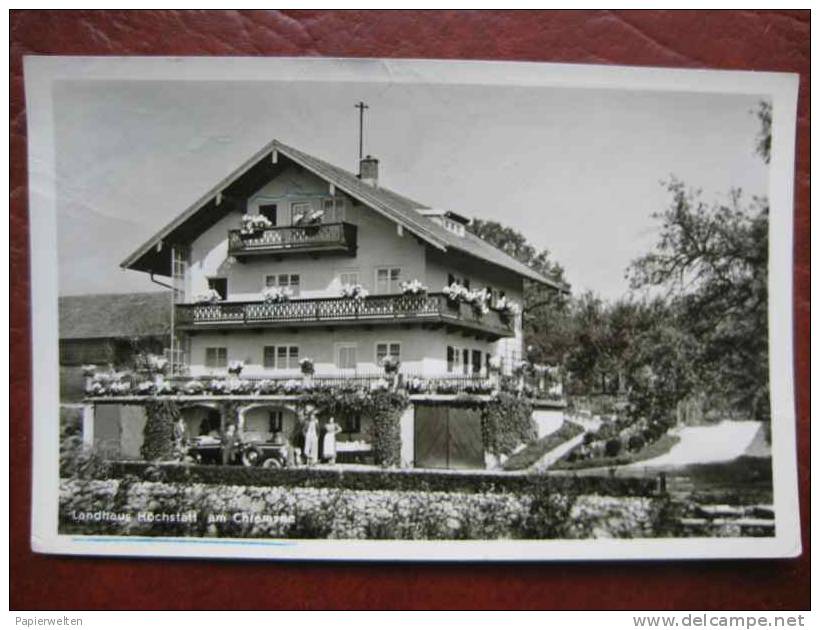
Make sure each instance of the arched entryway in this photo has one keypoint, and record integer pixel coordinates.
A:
(268, 422)
(202, 419)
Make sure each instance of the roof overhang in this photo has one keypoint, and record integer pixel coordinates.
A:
(154, 256)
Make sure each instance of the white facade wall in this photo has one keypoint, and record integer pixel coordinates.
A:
(380, 244)
(422, 351)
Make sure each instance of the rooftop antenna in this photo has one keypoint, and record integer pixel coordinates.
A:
(361, 106)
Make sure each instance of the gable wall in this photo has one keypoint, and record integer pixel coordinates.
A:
(379, 245)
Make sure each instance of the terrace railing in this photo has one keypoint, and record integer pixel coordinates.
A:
(384, 309)
(339, 237)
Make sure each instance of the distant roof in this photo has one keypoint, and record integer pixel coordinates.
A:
(152, 257)
(104, 316)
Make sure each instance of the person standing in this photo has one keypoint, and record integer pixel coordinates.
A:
(311, 448)
(230, 444)
(329, 441)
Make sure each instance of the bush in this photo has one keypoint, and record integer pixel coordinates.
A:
(506, 422)
(612, 447)
(158, 434)
(635, 443)
(542, 512)
(536, 450)
(399, 480)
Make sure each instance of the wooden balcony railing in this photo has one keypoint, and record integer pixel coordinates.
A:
(322, 237)
(432, 308)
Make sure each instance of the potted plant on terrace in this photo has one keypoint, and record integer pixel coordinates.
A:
(252, 224)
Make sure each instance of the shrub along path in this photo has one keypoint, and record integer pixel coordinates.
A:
(540, 454)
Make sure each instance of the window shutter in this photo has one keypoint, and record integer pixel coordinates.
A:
(450, 354)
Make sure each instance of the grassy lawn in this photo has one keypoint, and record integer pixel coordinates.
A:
(650, 451)
(536, 450)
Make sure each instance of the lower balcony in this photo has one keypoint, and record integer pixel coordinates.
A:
(337, 238)
(433, 310)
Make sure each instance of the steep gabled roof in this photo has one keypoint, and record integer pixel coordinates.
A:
(105, 316)
(398, 208)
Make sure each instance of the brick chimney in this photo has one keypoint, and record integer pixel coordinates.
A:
(369, 170)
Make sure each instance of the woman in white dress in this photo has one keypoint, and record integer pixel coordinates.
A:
(311, 448)
(329, 441)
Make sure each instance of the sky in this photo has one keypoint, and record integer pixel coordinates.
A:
(578, 171)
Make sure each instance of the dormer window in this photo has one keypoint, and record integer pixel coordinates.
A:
(453, 226)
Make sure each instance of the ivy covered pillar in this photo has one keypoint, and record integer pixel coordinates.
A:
(158, 434)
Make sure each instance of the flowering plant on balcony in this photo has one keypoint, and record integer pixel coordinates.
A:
(480, 301)
(239, 386)
(217, 386)
(89, 370)
(416, 386)
(166, 388)
(145, 388)
(379, 385)
(236, 367)
(456, 292)
(507, 308)
(390, 364)
(354, 292)
(211, 296)
(254, 223)
(479, 387)
(193, 388)
(277, 295)
(292, 386)
(307, 367)
(96, 388)
(315, 216)
(119, 388)
(414, 287)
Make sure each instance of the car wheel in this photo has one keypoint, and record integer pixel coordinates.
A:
(251, 457)
(272, 462)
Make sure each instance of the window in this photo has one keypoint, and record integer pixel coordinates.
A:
(280, 357)
(465, 282)
(476, 361)
(220, 285)
(346, 356)
(384, 349)
(275, 421)
(284, 281)
(268, 210)
(299, 211)
(454, 357)
(334, 210)
(348, 278)
(453, 226)
(465, 360)
(387, 279)
(216, 357)
(351, 423)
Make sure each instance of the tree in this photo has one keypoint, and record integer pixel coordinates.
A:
(712, 262)
(545, 309)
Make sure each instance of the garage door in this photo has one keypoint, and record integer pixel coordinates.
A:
(448, 437)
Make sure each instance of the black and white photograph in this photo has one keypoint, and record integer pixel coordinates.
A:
(393, 309)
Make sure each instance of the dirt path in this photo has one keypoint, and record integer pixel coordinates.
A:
(721, 442)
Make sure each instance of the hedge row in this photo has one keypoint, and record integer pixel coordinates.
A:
(400, 480)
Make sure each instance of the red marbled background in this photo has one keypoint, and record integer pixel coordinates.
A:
(748, 40)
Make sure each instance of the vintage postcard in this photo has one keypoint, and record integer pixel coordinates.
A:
(372, 309)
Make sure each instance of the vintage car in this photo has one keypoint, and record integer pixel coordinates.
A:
(208, 450)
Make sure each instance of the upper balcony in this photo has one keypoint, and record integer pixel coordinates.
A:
(302, 239)
(432, 309)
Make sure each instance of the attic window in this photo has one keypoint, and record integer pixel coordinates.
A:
(453, 226)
